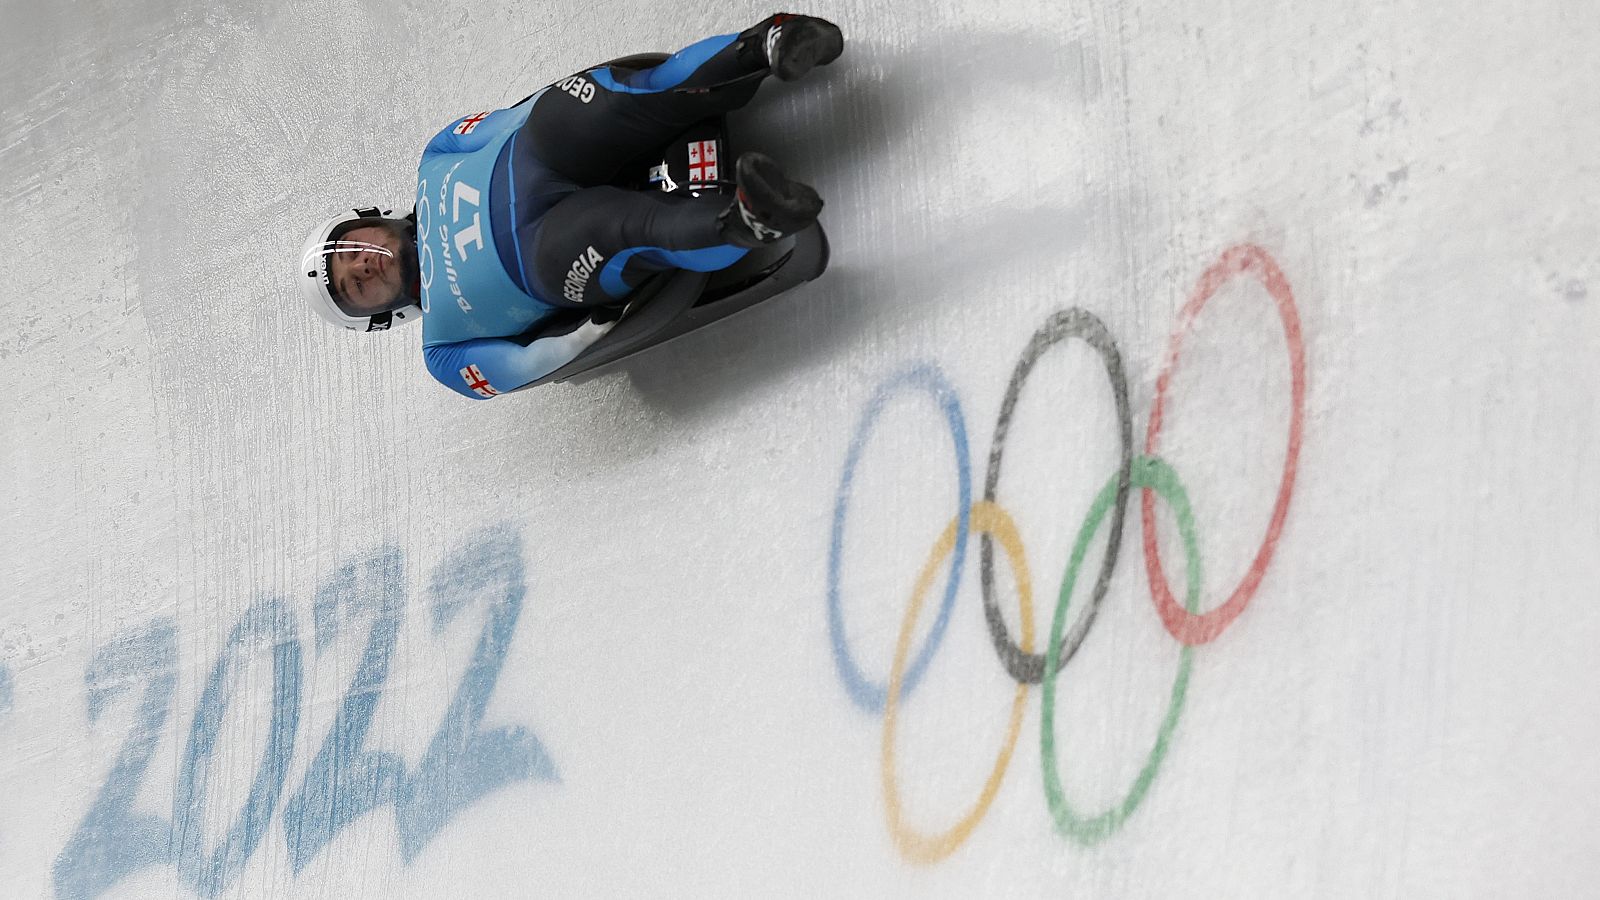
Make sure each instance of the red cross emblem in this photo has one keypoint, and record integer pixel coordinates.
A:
(471, 122)
(702, 162)
(478, 383)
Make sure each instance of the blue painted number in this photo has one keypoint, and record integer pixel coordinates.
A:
(269, 622)
(463, 763)
(346, 780)
(112, 842)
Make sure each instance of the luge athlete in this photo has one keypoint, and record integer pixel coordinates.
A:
(515, 218)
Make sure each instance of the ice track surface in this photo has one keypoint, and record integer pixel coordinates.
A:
(1182, 484)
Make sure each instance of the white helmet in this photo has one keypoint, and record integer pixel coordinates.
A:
(316, 283)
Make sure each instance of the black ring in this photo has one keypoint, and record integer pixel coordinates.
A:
(1028, 668)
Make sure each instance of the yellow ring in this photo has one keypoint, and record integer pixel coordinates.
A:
(987, 518)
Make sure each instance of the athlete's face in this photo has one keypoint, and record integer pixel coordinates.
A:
(366, 271)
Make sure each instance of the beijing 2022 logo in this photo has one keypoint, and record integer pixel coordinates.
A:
(1147, 472)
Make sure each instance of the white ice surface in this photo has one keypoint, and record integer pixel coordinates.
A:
(1406, 708)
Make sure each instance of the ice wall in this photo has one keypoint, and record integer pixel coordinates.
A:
(841, 598)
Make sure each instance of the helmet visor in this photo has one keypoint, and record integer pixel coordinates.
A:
(371, 266)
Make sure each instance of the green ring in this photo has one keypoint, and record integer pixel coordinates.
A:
(1152, 473)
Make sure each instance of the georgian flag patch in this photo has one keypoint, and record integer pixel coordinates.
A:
(702, 162)
(471, 122)
(479, 384)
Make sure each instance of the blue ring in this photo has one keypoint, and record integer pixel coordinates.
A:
(867, 694)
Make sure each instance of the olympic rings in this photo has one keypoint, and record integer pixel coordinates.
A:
(1189, 626)
(987, 519)
(866, 694)
(1153, 475)
(1026, 667)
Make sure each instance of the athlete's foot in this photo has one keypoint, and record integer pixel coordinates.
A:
(767, 206)
(792, 45)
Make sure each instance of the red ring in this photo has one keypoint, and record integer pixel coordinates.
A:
(1191, 628)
